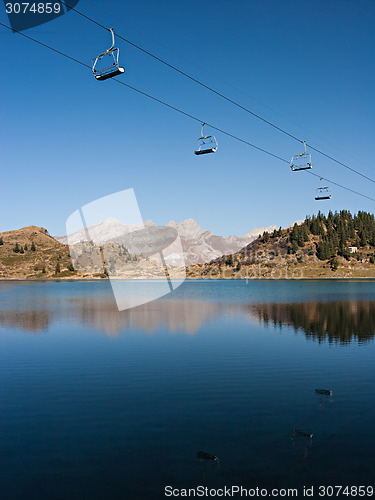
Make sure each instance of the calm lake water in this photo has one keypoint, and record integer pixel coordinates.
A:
(101, 404)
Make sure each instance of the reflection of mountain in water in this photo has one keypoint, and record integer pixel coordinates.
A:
(32, 321)
(337, 322)
(174, 315)
(103, 315)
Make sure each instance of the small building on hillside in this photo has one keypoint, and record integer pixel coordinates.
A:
(352, 249)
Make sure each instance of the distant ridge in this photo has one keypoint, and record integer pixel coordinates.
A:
(199, 246)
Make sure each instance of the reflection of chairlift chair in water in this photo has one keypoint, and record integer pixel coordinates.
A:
(301, 434)
(206, 459)
(323, 192)
(324, 397)
(304, 439)
(206, 144)
(301, 161)
(113, 69)
(203, 455)
(323, 392)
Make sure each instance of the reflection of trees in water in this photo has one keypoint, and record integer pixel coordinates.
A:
(337, 322)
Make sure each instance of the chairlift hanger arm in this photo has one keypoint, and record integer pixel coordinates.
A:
(113, 44)
(111, 49)
(304, 153)
(203, 124)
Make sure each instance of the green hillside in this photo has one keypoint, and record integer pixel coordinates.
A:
(336, 245)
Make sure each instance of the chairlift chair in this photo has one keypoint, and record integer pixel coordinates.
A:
(301, 161)
(113, 69)
(206, 144)
(323, 192)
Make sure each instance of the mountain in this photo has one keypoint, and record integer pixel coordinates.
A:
(31, 252)
(199, 246)
(106, 230)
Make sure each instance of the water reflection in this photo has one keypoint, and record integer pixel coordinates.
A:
(103, 315)
(173, 315)
(29, 320)
(337, 322)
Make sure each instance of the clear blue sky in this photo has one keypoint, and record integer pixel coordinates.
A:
(66, 139)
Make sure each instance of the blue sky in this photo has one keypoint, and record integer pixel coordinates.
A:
(67, 139)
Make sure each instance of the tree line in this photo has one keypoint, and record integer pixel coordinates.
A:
(335, 233)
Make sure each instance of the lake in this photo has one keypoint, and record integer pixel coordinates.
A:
(101, 404)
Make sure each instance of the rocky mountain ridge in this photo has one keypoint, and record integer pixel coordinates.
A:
(199, 245)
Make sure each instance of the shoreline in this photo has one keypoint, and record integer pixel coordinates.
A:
(107, 280)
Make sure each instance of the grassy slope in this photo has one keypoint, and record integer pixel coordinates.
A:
(271, 260)
(48, 252)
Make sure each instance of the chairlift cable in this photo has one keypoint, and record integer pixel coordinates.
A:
(218, 93)
(46, 46)
(200, 121)
(340, 163)
(341, 186)
(184, 112)
(184, 73)
(152, 97)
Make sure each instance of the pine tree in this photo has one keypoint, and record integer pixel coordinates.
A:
(305, 232)
(293, 237)
(229, 261)
(32, 247)
(1, 241)
(57, 269)
(334, 265)
(363, 239)
(16, 249)
(25, 247)
(293, 247)
(324, 250)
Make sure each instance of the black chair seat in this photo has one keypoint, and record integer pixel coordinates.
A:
(205, 151)
(110, 74)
